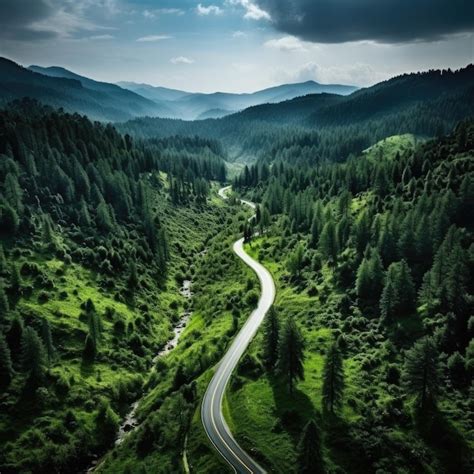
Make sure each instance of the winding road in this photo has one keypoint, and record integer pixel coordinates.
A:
(211, 410)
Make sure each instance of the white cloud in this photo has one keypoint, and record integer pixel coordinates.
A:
(252, 11)
(182, 60)
(288, 43)
(64, 23)
(209, 10)
(152, 14)
(151, 38)
(101, 37)
(359, 74)
(239, 34)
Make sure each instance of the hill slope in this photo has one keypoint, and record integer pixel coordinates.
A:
(421, 103)
(74, 93)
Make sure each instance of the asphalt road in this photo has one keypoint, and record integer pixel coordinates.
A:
(211, 410)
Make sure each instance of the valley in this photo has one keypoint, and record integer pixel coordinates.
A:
(286, 287)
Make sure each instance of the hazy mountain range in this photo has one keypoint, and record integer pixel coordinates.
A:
(103, 101)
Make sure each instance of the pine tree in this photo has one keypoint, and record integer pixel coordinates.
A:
(328, 241)
(4, 305)
(421, 372)
(13, 193)
(271, 336)
(363, 280)
(291, 353)
(295, 261)
(3, 262)
(333, 379)
(310, 459)
(14, 337)
(6, 368)
(107, 423)
(47, 339)
(33, 357)
(15, 279)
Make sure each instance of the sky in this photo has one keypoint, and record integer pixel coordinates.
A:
(238, 45)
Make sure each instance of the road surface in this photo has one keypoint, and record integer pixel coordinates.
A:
(211, 410)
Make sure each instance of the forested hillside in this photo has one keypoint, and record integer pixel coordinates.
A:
(367, 361)
(74, 93)
(429, 104)
(97, 234)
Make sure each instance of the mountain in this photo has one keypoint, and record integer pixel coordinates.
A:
(420, 103)
(155, 93)
(192, 106)
(61, 88)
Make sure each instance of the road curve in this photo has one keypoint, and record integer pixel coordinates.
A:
(211, 409)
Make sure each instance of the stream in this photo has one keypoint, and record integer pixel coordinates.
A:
(130, 422)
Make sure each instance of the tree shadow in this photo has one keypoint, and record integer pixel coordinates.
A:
(346, 450)
(453, 451)
(87, 369)
(293, 410)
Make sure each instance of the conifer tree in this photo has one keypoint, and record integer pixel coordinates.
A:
(271, 337)
(47, 339)
(333, 379)
(291, 354)
(421, 372)
(6, 368)
(33, 357)
(328, 241)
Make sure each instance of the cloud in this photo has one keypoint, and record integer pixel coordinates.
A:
(384, 21)
(181, 60)
(359, 74)
(152, 38)
(101, 37)
(239, 34)
(152, 14)
(252, 10)
(40, 19)
(287, 43)
(209, 10)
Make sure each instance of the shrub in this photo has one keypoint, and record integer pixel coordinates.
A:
(43, 297)
(251, 298)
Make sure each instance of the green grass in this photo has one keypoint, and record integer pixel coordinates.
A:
(390, 146)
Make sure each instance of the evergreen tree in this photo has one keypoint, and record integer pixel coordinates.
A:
(13, 193)
(328, 241)
(421, 372)
(295, 261)
(47, 339)
(133, 276)
(33, 357)
(4, 305)
(6, 368)
(15, 279)
(271, 335)
(333, 379)
(14, 337)
(310, 459)
(107, 423)
(291, 353)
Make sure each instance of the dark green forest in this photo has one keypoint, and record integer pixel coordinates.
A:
(379, 250)
(91, 235)
(113, 237)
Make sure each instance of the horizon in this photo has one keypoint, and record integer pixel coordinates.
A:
(236, 46)
(248, 92)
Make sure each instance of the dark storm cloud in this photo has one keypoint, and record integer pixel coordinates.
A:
(18, 17)
(384, 21)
